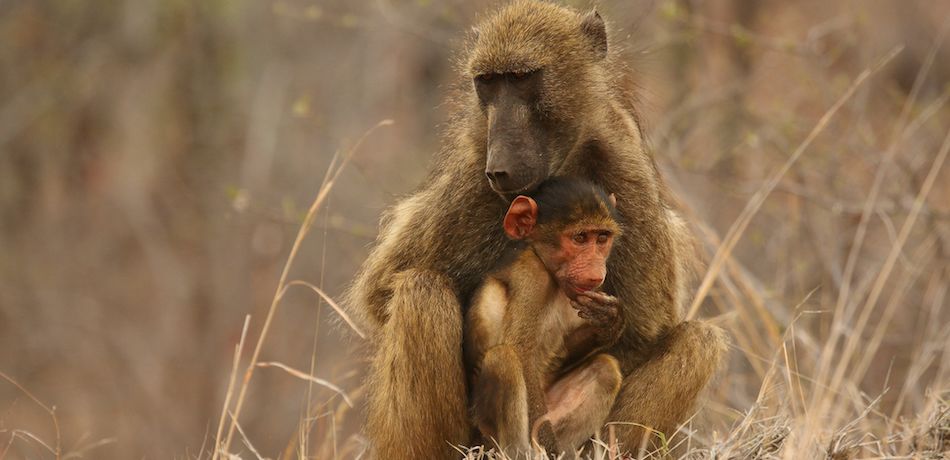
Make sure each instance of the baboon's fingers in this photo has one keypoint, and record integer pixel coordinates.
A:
(599, 313)
(598, 300)
(582, 310)
(601, 297)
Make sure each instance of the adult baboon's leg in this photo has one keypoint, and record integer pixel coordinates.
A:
(417, 400)
(661, 393)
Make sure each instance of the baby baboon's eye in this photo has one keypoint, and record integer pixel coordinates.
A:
(602, 238)
(579, 238)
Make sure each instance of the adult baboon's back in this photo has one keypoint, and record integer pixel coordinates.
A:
(547, 99)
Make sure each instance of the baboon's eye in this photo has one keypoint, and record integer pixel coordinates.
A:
(602, 237)
(522, 75)
(485, 77)
(579, 238)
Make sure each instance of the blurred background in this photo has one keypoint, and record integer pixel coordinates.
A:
(157, 159)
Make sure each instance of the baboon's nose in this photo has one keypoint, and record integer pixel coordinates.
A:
(593, 283)
(499, 178)
(593, 279)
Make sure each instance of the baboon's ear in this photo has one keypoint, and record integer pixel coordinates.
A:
(521, 217)
(613, 200)
(594, 29)
(475, 33)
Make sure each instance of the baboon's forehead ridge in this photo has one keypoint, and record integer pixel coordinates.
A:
(526, 36)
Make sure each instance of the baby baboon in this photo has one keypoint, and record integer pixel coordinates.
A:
(538, 313)
(546, 97)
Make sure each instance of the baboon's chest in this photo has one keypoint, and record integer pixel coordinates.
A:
(550, 325)
(558, 322)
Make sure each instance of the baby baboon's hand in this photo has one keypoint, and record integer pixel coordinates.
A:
(603, 312)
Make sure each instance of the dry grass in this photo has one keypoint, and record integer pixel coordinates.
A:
(145, 277)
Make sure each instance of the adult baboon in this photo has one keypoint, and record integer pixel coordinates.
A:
(547, 98)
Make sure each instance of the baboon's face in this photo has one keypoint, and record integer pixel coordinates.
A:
(537, 77)
(578, 257)
(517, 158)
(574, 243)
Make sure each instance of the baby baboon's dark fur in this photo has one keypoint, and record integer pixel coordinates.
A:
(436, 245)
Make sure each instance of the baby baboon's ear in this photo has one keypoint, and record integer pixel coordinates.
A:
(521, 217)
(596, 31)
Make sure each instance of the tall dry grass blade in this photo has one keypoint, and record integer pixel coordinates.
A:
(82, 451)
(755, 203)
(798, 389)
(247, 442)
(336, 307)
(6, 448)
(304, 376)
(789, 380)
(936, 292)
(745, 331)
(238, 350)
(922, 257)
(26, 435)
(301, 233)
(305, 427)
(51, 410)
(614, 449)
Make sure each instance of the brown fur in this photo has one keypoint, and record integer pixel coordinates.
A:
(447, 236)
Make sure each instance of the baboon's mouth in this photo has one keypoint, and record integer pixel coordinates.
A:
(584, 289)
(515, 191)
